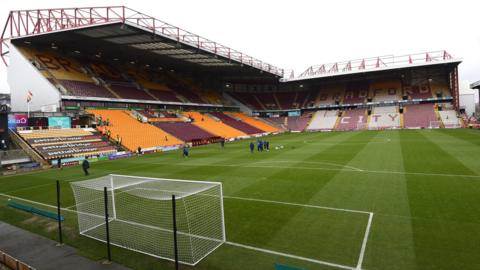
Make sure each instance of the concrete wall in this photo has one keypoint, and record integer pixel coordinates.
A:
(22, 76)
(467, 101)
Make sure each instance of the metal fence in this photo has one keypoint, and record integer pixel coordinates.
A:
(13, 263)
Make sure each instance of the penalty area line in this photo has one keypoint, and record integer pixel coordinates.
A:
(287, 255)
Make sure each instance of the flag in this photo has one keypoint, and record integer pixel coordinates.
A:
(29, 96)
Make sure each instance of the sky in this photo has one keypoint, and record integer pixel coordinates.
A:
(298, 34)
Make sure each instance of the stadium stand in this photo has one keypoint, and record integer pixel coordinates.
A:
(300, 99)
(419, 116)
(248, 99)
(417, 91)
(310, 98)
(297, 123)
(213, 126)
(449, 118)
(133, 133)
(182, 88)
(385, 90)
(254, 122)
(187, 132)
(86, 89)
(130, 92)
(384, 117)
(67, 72)
(440, 89)
(63, 143)
(323, 120)
(352, 119)
(278, 121)
(356, 92)
(287, 100)
(268, 101)
(237, 123)
(330, 95)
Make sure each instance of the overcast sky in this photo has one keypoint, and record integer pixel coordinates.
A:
(300, 33)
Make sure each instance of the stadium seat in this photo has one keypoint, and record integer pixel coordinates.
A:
(213, 126)
(287, 100)
(328, 95)
(130, 92)
(352, 120)
(248, 99)
(297, 123)
(63, 143)
(356, 92)
(187, 132)
(323, 120)
(449, 118)
(254, 122)
(421, 91)
(237, 123)
(133, 133)
(384, 117)
(419, 116)
(385, 90)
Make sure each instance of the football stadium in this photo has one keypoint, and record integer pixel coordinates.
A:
(130, 143)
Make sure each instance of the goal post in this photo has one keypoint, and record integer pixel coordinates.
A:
(435, 124)
(141, 215)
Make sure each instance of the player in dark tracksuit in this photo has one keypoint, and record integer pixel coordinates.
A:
(252, 147)
(85, 166)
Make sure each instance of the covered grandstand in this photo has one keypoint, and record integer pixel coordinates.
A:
(159, 87)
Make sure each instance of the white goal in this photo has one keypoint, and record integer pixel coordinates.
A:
(140, 215)
(435, 124)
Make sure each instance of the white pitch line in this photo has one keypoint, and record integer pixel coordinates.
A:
(321, 169)
(364, 243)
(300, 205)
(309, 162)
(291, 256)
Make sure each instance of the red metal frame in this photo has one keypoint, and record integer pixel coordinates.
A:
(24, 23)
(455, 87)
(373, 63)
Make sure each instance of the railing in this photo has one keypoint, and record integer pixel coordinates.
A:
(373, 63)
(13, 263)
(13, 154)
(32, 153)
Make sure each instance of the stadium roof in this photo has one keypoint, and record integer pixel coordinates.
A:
(375, 64)
(126, 28)
(475, 85)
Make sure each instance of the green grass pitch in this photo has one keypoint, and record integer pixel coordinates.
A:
(407, 199)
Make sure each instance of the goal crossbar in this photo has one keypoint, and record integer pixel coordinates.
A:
(141, 217)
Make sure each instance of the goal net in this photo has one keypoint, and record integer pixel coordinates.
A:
(140, 215)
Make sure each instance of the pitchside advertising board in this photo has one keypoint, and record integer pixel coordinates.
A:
(17, 120)
(59, 122)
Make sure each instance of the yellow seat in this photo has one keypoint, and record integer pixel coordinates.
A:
(254, 122)
(133, 133)
(215, 127)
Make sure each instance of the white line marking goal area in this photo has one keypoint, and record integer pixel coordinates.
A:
(363, 244)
